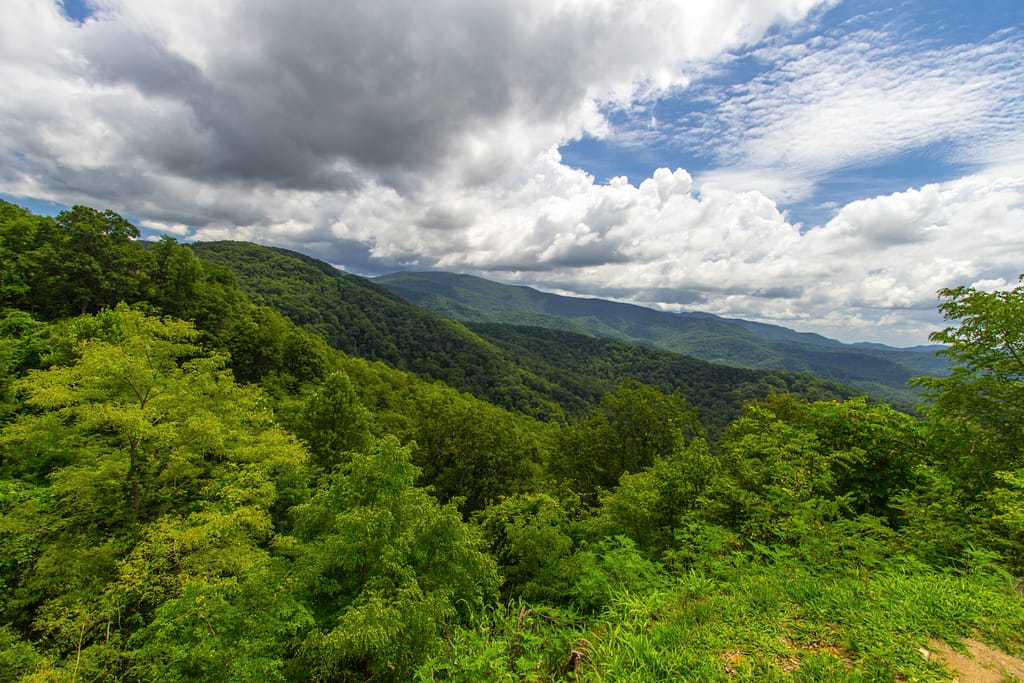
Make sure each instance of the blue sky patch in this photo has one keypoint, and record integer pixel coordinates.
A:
(76, 10)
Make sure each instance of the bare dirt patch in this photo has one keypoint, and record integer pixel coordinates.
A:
(981, 664)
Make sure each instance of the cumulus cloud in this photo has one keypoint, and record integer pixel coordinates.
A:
(320, 96)
(871, 272)
(402, 134)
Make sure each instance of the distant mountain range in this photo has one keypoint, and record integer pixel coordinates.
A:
(878, 370)
(541, 372)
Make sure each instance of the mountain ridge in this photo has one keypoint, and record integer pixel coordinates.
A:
(879, 370)
(500, 363)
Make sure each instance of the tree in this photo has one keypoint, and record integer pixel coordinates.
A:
(469, 449)
(124, 392)
(23, 342)
(209, 632)
(142, 470)
(383, 568)
(177, 280)
(531, 537)
(634, 425)
(650, 506)
(986, 348)
(89, 260)
(19, 232)
(969, 490)
(811, 475)
(332, 421)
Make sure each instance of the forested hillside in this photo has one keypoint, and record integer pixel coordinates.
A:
(194, 487)
(583, 368)
(880, 371)
(512, 367)
(362, 319)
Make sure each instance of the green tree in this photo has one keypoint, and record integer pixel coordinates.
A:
(178, 279)
(532, 538)
(88, 260)
(986, 384)
(264, 344)
(384, 569)
(332, 421)
(124, 390)
(141, 470)
(469, 449)
(968, 491)
(246, 629)
(649, 507)
(19, 265)
(794, 473)
(635, 425)
(23, 343)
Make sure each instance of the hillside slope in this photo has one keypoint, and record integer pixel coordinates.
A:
(365, 320)
(578, 369)
(882, 372)
(536, 371)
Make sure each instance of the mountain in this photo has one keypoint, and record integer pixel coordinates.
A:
(882, 372)
(366, 320)
(538, 371)
(578, 369)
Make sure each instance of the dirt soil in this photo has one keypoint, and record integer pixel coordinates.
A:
(982, 664)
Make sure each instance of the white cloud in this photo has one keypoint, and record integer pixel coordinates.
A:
(317, 96)
(858, 98)
(159, 227)
(877, 265)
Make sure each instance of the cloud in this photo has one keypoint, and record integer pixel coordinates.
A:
(872, 272)
(161, 228)
(324, 96)
(857, 98)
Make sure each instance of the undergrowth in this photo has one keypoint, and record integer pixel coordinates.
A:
(746, 619)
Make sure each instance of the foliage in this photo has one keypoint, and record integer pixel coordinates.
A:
(141, 469)
(578, 371)
(649, 507)
(986, 348)
(78, 262)
(513, 642)
(854, 450)
(465, 448)
(363, 319)
(24, 341)
(332, 421)
(19, 238)
(470, 450)
(384, 568)
(633, 426)
(209, 632)
(532, 537)
(972, 481)
(748, 620)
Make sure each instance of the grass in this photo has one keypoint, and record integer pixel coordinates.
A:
(753, 622)
(787, 623)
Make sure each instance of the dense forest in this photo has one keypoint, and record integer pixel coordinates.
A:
(880, 371)
(542, 372)
(232, 463)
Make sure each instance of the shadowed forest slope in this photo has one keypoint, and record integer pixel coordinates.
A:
(883, 372)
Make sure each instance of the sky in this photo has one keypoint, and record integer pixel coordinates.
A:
(823, 165)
